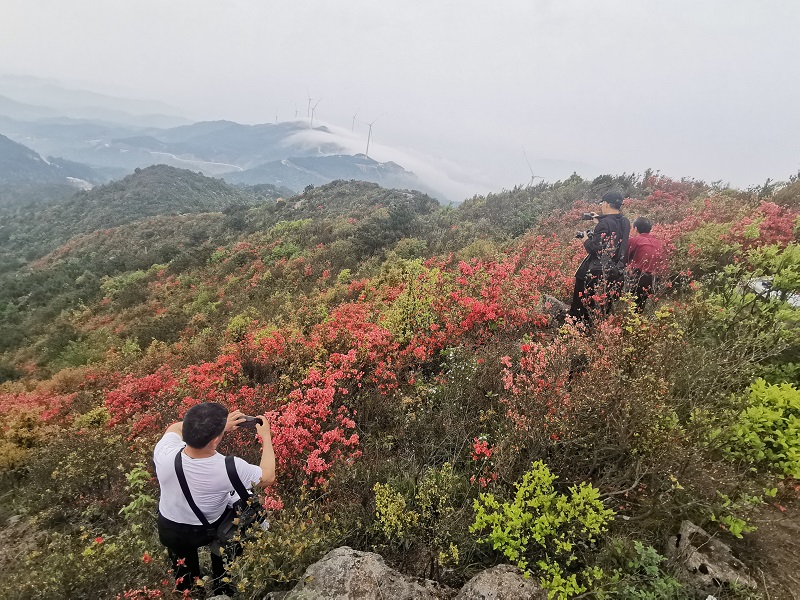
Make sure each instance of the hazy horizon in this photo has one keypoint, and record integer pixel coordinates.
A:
(693, 90)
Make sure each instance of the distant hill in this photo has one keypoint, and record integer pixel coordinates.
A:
(297, 172)
(226, 144)
(21, 165)
(158, 190)
(25, 112)
(33, 98)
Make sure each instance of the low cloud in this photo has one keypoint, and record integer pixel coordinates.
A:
(449, 179)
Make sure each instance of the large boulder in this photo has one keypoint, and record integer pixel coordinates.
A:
(347, 574)
(704, 562)
(502, 582)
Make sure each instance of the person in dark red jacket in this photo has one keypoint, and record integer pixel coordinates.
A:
(599, 279)
(645, 260)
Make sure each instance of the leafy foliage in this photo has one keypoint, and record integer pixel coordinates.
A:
(640, 574)
(768, 430)
(544, 531)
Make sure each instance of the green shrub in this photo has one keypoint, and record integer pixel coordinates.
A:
(344, 276)
(87, 562)
(639, 574)
(768, 430)
(393, 518)
(79, 473)
(239, 325)
(21, 431)
(412, 311)
(702, 250)
(276, 558)
(429, 516)
(732, 514)
(543, 531)
(82, 566)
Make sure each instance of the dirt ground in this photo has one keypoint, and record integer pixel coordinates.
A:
(773, 551)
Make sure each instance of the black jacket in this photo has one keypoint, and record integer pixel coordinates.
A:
(607, 246)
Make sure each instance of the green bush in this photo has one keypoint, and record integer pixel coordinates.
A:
(276, 558)
(428, 516)
(768, 430)
(393, 518)
(89, 562)
(82, 566)
(639, 574)
(544, 532)
(412, 311)
(78, 474)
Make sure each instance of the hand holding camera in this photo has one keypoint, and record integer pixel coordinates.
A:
(259, 423)
(249, 422)
(587, 216)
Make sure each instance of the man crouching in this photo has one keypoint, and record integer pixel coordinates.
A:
(196, 490)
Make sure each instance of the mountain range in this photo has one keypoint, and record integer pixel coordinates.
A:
(110, 141)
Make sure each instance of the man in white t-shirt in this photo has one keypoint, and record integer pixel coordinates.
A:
(196, 439)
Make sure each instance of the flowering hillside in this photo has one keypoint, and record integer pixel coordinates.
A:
(420, 384)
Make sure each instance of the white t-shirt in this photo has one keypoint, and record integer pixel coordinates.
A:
(208, 482)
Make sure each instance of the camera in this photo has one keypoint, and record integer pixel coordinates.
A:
(587, 216)
(250, 422)
(584, 234)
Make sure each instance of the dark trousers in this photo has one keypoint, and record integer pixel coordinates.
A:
(643, 288)
(592, 294)
(182, 542)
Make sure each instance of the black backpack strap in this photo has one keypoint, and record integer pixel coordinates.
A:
(185, 487)
(230, 467)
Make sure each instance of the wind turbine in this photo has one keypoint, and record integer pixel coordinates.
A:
(313, 112)
(308, 110)
(353, 127)
(369, 135)
(276, 115)
(530, 183)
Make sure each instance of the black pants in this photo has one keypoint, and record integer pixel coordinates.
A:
(643, 288)
(593, 293)
(182, 542)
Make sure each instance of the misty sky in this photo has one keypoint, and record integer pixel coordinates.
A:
(705, 89)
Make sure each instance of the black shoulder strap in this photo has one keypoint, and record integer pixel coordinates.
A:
(185, 487)
(230, 467)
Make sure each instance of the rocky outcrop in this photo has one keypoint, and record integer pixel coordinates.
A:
(502, 582)
(347, 574)
(704, 562)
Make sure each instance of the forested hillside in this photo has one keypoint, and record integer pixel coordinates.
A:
(20, 165)
(427, 399)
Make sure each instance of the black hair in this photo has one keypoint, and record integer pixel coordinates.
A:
(614, 199)
(643, 224)
(203, 422)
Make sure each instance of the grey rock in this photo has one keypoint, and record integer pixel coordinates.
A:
(220, 597)
(704, 562)
(503, 582)
(347, 574)
(554, 308)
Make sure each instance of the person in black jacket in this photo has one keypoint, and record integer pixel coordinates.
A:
(599, 279)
